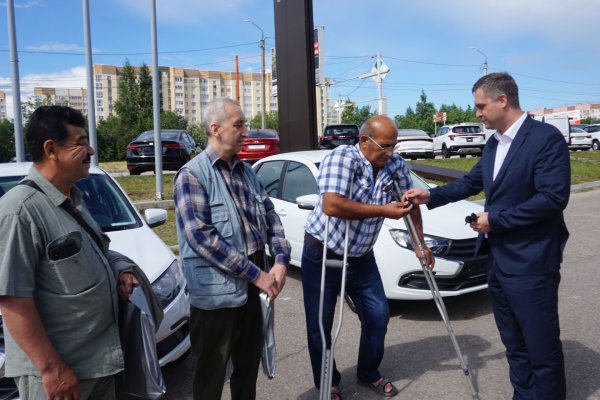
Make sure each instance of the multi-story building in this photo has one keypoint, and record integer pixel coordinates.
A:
(576, 112)
(72, 97)
(2, 105)
(187, 91)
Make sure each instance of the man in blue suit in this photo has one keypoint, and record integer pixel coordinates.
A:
(525, 174)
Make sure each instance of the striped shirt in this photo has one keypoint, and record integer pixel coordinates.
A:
(194, 219)
(347, 164)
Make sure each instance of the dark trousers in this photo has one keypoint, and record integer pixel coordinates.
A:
(526, 313)
(363, 284)
(217, 336)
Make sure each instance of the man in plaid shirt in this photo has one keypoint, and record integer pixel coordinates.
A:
(224, 220)
(365, 168)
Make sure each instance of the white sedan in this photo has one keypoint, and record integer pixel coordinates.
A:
(414, 143)
(290, 181)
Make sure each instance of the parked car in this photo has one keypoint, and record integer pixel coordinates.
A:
(131, 235)
(461, 139)
(178, 147)
(290, 181)
(580, 139)
(337, 135)
(258, 144)
(594, 131)
(414, 143)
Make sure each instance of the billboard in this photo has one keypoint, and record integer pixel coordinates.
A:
(318, 51)
(273, 73)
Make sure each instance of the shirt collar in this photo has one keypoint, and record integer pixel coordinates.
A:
(512, 130)
(55, 195)
(213, 156)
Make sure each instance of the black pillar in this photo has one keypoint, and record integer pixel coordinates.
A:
(294, 40)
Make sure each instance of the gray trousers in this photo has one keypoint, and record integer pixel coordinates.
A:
(30, 388)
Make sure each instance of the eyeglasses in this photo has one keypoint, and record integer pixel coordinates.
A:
(384, 147)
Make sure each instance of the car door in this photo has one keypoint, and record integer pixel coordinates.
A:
(438, 140)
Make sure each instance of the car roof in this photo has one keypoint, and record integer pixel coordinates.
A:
(22, 169)
(314, 156)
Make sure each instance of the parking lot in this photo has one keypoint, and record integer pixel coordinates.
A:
(420, 358)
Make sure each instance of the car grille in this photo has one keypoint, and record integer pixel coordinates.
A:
(472, 273)
(167, 345)
(461, 249)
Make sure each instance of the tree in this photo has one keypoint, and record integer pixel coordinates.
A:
(113, 139)
(272, 121)
(127, 105)
(199, 135)
(424, 111)
(171, 120)
(145, 92)
(7, 140)
(358, 116)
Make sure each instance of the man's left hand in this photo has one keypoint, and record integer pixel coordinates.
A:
(127, 281)
(481, 224)
(279, 271)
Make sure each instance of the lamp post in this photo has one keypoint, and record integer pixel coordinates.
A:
(262, 55)
(485, 63)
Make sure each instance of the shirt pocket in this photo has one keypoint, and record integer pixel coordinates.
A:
(221, 219)
(71, 265)
(207, 280)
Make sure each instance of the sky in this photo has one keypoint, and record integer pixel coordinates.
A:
(551, 47)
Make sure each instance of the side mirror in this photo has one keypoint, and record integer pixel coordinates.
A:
(155, 217)
(307, 202)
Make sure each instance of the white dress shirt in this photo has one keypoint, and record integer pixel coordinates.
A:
(504, 141)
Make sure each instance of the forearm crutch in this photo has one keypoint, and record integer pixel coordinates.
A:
(328, 353)
(435, 292)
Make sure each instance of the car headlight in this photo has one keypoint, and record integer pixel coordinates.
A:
(438, 246)
(168, 285)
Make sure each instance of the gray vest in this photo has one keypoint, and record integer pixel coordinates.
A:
(210, 287)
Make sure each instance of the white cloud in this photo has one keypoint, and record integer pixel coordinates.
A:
(56, 47)
(27, 4)
(72, 78)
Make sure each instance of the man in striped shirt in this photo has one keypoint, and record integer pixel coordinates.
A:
(351, 181)
(224, 220)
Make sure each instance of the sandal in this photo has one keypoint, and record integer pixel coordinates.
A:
(336, 394)
(380, 388)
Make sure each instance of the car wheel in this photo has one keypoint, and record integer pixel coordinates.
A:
(350, 303)
(445, 152)
(134, 172)
(463, 155)
(596, 145)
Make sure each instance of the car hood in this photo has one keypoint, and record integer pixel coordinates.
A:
(145, 248)
(447, 221)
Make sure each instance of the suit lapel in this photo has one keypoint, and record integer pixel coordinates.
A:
(514, 148)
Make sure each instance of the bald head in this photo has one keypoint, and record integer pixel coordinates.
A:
(378, 123)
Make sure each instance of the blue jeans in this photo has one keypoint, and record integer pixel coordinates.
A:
(363, 284)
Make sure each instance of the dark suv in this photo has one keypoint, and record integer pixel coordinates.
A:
(336, 135)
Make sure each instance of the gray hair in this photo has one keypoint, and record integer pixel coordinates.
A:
(216, 111)
(496, 84)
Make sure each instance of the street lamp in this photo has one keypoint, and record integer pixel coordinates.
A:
(485, 63)
(261, 44)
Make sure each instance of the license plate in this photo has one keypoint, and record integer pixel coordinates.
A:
(469, 139)
(257, 146)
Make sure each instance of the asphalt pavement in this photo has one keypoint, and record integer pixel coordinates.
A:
(420, 358)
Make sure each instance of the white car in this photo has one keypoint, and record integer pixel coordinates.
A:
(461, 139)
(131, 235)
(594, 131)
(414, 143)
(290, 181)
(580, 139)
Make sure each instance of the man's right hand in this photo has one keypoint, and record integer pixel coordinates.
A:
(416, 196)
(267, 283)
(60, 382)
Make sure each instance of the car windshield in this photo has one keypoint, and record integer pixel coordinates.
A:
(341, 130)
(105, 201)
(467, 129)
(164, 135)
(411, 132)
(262, 134)
(575, 129)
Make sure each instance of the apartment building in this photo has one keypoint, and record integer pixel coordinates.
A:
(576, 112)
(2, 105)
(72, 97)
(187, 91)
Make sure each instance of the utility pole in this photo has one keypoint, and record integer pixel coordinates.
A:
(261, 44)
(484, 67)
(16, 88)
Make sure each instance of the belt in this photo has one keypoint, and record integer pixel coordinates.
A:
(311, 239)
(330, 254)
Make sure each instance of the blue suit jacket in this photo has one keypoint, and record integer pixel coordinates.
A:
(526, 201)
